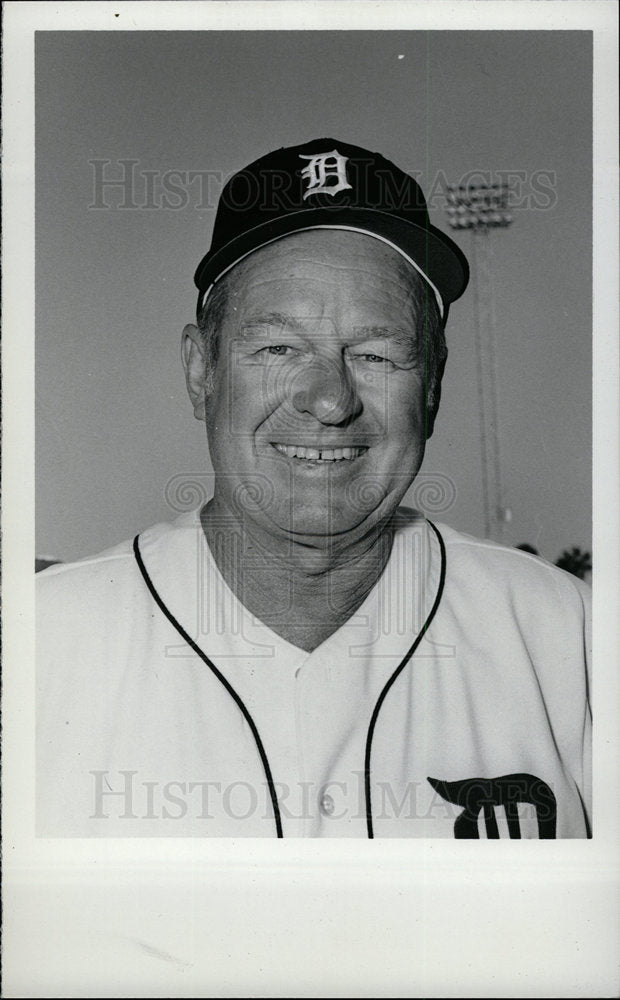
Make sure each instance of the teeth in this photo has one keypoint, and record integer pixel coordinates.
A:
(316, 454)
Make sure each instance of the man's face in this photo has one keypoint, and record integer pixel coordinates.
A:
(316, 422)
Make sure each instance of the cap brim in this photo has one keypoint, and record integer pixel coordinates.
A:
(439, 259)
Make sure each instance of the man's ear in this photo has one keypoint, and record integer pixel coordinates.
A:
(193, 357)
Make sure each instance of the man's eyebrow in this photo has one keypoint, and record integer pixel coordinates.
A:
(400, 334)
(270, 319)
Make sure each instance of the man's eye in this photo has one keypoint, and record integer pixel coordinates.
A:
(378, 362)
(278, 349)
(376, 359)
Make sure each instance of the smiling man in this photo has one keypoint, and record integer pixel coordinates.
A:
(303, 656)
(319, 395)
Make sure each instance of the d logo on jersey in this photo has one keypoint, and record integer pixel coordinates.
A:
(476, 795)
(326, 173)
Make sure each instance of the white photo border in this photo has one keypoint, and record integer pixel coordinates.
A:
(169, 917)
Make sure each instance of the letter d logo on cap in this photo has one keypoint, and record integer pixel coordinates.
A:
(325, 167)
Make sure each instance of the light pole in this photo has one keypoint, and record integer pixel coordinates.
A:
(481, 209)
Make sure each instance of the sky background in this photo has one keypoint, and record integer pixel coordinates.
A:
(114, 286)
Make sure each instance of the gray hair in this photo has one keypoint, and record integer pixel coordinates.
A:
(431, 340)
(210, 319)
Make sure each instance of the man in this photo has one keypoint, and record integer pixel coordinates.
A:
(303, 656)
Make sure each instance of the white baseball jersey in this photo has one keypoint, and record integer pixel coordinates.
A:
(454, 702)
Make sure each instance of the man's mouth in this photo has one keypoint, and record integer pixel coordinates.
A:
(319, 454)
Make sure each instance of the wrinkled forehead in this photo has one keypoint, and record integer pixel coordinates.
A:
(326, 266)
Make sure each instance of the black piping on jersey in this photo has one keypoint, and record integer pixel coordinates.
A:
(248, 718)
(397, 672)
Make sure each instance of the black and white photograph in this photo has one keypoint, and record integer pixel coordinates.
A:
(313, 629)
(314, 368)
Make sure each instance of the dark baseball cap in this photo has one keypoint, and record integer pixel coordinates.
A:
(328, 184)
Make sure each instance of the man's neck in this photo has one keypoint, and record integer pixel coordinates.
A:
(302, 592)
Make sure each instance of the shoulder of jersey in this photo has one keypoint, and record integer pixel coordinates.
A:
(492, 564)
(510, 567)
(112, 562)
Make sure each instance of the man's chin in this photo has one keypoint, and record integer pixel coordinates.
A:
(319, 528)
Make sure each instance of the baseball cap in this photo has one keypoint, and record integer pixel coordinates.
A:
(329, 184)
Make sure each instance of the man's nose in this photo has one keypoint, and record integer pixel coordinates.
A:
(326, 391)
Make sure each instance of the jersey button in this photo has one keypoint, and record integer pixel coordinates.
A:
(327, 805)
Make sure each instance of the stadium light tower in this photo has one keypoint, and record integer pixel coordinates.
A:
(481, 209)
